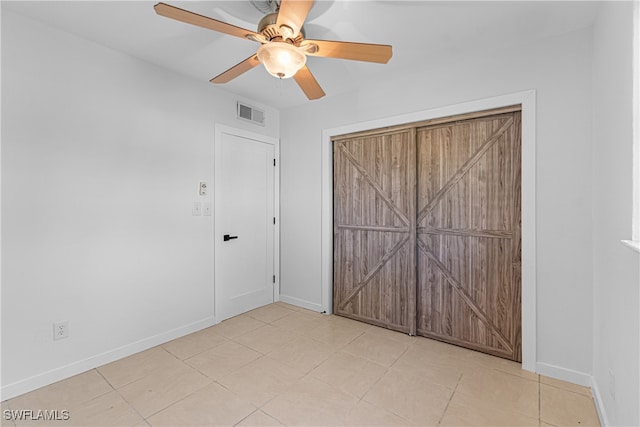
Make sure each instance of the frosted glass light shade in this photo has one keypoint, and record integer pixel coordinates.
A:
(281, 59)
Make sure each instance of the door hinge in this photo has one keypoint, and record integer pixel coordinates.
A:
(274, 162)
(274, 220)
(274, 278)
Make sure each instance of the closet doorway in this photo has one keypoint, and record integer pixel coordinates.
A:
(427, 234)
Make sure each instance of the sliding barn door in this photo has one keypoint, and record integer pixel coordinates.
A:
(374, 229)
(468, 234)
(427, 229)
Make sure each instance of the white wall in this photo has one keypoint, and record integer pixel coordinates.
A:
(616, 267)
(101, 159)
(559, 69)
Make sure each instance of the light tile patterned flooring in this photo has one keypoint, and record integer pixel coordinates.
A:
(283, 365)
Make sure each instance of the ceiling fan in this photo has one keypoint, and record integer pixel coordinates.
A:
(283, 50)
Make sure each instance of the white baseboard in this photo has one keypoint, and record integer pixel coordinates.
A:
(301, 303)
(564, 374)
(579, 378)
(26, 385)
(597, 399)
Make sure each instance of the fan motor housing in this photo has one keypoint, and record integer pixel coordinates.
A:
(268, 28)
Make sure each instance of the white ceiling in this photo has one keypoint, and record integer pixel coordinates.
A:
(420, 32)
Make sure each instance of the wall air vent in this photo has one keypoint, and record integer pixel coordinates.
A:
(252, 114)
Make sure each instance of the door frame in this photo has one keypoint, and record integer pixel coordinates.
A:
(220, 130)
(528, 168)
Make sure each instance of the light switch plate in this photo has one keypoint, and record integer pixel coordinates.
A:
(206, 209)
(197, 209)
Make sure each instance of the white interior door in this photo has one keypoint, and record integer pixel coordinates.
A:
(244, 213)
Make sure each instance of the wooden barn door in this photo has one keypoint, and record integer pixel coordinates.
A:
(468, 234)
(427, 229)
(374, 229)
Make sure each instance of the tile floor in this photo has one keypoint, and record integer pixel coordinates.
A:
(283, 365)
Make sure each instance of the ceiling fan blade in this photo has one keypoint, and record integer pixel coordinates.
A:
(292, 13)
(308, 83)
(182, 15)
(236, 70)
(380, 53)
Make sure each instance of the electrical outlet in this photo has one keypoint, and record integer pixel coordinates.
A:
(203, 188)
(60, 330)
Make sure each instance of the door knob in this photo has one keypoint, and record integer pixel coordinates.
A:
(226, 237)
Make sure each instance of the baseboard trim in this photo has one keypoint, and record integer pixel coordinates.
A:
(12, 390)
(301, 303)
(579, 378)
(597, 399)
(564, 374)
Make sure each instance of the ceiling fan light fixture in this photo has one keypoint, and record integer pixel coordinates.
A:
(284, 48)
(281, 59)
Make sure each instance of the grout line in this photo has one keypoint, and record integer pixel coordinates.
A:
(352, 340)
(569, 391)
(374, 384)
(338, 347)
(104, 378)
(100, 395)
(199, 352)
(450, 399)
(539, 402)
(168, 352)
(257, 409)
(273, 416)
(174, 402)
(399, 357)
(133, 408)
(273, 398)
